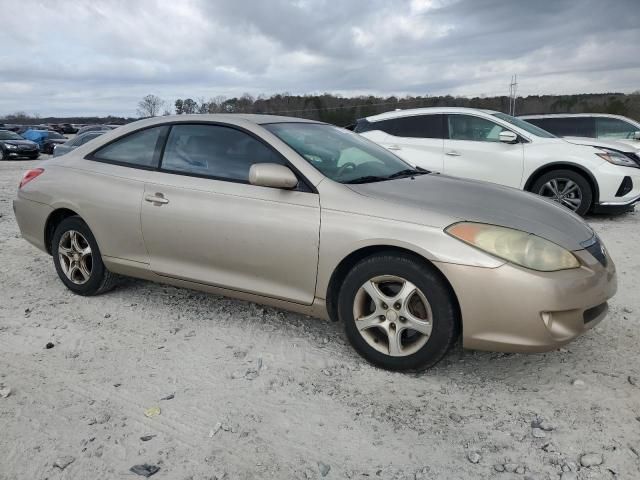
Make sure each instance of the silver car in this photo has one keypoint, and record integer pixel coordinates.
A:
(76, 142)
(316, 219)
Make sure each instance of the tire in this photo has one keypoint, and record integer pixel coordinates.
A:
(87, 275)
(564, 179)
(393, 272)
(34, 157)
(3, 155)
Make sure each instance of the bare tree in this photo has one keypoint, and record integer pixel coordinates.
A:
(150, 106)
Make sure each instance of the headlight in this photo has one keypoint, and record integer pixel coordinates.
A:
(10, 147)
(616, 158)
(521, 248)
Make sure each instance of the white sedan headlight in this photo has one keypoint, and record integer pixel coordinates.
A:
(521, 248)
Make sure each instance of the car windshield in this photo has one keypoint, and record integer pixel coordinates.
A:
(8, 135)
(526, 126)
(341, 155)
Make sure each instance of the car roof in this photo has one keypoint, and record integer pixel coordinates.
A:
(426, 110)
(260, 119)
(569, 115)
(237, 119)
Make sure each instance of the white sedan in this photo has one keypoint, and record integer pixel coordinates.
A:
(498, 148)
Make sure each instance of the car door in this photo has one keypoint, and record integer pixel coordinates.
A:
(473, 150)
(202, 221)
(108, 189)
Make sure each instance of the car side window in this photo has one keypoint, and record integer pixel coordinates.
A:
(88, 138)
(477, 129)
(139, 149)
(614, 128)
(419, 126)
(413, 126)
(215, 151)
(567, 127)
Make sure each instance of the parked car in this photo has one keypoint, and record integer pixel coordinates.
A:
(498, 148)
(67, 128)
(75, 142)
(9, 126)
(313, 218)
(93, 128)
(593, 125)
(46, 139)
(13, 145)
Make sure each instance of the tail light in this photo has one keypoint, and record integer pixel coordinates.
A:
(30, 175)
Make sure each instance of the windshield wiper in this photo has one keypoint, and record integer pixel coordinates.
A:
(368, 179)
(409, 172)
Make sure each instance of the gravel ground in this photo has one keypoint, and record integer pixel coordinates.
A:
(250, 392)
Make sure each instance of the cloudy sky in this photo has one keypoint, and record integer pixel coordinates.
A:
(101, 56)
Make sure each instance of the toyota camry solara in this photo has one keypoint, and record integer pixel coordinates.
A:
(313, 218)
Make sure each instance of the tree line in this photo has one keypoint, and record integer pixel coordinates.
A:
(343, 111)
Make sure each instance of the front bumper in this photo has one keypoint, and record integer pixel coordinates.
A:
(512, 309)
(610, 178)
(23, 153)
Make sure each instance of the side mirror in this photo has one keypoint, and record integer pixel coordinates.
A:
(507, 136)
(636, 135)
(272, 175)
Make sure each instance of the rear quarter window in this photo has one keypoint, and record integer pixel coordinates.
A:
(138, 149)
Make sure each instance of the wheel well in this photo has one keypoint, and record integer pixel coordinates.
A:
(348, 262)
(565, 166)
(53, 221)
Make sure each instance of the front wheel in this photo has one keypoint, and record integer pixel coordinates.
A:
(77, 259)
(566, 187)
(398, 312)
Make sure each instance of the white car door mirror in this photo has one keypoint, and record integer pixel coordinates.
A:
(507, 136)
(272, 175)
(636, 135)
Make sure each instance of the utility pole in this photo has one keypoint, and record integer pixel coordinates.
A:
(513, 87)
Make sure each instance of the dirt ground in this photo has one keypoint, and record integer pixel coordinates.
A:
(256, 392)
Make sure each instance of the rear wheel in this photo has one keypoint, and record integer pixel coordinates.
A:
(77, 259)
(398, 312)
(566, 187)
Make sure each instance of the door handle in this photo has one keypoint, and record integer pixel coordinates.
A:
(394, 147)
(453, 153)
(156, 198)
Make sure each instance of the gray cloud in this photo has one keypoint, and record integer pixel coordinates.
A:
(87, 57)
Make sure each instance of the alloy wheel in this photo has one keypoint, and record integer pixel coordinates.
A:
(392, 315)
(74, 253)
(564, 191)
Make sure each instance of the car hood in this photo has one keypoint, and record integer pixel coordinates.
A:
(19, 142)
(483, 202)
(596, 142)
(634, 144)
